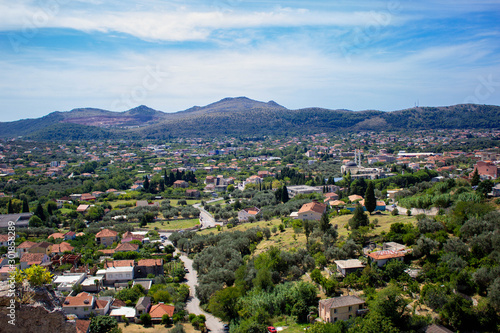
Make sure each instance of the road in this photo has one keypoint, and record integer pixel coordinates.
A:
(206, 219)
(213, 324)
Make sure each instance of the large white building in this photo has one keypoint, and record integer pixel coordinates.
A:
(119, 274)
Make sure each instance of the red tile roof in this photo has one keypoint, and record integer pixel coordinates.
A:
(106, 233)
(380, 255)
(124, 247)
(158, 310)
(63, 247)
(313, 207)
(150, 262)
(82, 326)
(33, 258)
(82, 299)
(56, 235)
(119, 263)
(26, 245)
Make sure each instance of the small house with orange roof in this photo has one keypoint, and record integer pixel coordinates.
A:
(106, 237)
(245, 214)
(311, 211)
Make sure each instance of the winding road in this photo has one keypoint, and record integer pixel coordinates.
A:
(212, 323)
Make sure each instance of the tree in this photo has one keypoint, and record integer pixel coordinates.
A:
(10, 208)
(370, 200)
(359, 218)
(374, 322)
(485, 187)
(284, 194)
(165, 319)
(475, 178)
(146, 184)
(391, 304)
(162, 296)
(26, 207)
(324, 223)
(102, 324)
(145, 319)
(39, 212)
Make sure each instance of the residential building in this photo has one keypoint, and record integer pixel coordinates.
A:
(80, 305)
(119, 274)
(43, 247)
(125, 311)
(245, 214)
(20, 220)
(158, 310)
(143, 305)
(126, 247)
(149, 266)
(303, 189)
(311, 211)
(61, 248)
(29, 259)
(106, 237)
(340, 308)
(486, 170)
(181, 184)
(382, 257)
(348, 266)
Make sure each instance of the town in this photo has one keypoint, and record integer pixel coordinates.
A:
(354, 232)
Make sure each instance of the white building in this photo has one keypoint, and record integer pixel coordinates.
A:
(66, 281)
(119, 274)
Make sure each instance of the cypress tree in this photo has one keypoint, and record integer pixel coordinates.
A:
(370, 200)
(39, 212)
(284, 195)
(146, 184)
(475, 178)
(26, 207)
(324, 222)
(359, 218)
(10, 208)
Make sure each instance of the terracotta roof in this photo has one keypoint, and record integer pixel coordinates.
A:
(313, 207)
(355, 197)
(158, 310)
(63, 247)
(80, 234)
(380, 255)
(82, 299)
(123, 247)
(4, 238)
(110, 251)
(150, 262)
(118, 303)
(32, 258)
(337, 203)
(82, 326)
(56, 235)
(26, 245)
(44, 245)
(106, 233)
(100, 303)
(338, 302)
(119, 263)
(70, 233)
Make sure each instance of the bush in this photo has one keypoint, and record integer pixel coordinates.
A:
(145, 319)
(395, 212)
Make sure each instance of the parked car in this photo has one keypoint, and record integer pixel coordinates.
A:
(271, 329)
(225, 328)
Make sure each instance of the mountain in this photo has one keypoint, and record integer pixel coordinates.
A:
(242, 116)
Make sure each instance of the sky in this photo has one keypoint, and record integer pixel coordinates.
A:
(57, 55)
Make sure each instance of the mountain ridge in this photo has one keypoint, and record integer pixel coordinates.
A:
(244, 116)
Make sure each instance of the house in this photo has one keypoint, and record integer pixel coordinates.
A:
(43, 247)
(143, 305)
(149, 266)
(61, 248)
(20, 220)
(5, 272)
(80, 305)
(245, 214)
(382, 257)
(345, 267)
(355, 197)
(158, 310)
(126, 247)
(67, 281)
(486, 170)
(303, 189)
(145, 283)
(312, 211)
(56, 235)
(119, 274)
(102, 305)
(331, 196)
(92, 284)
(192, 193)
(124, 311)
(70, 235)
(340, 308)
(181, 184)
(393, 246)
(495, 191)
(4, 240)
(127, 237)
(106, 237)
(82, 326)
(119, 263)
(82, 208)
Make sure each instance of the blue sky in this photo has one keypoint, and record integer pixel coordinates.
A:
(56, 55)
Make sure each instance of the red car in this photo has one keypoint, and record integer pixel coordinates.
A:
(271, 329)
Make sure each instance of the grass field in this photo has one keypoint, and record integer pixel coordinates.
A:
(135, 328)
(173, 224)
(173, 202)
(288, 239)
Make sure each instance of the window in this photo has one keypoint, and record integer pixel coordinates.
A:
(350, 308)
(360, 306)
(350, 316)
(334, 310)
(335, 319)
